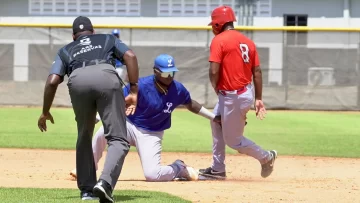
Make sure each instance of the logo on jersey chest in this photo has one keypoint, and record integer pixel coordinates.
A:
(168, 106)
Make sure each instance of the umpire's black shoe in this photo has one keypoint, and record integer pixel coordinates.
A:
(209, 172)
(85, 195)
(103, 190)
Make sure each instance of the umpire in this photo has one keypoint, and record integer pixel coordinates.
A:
(94, 85)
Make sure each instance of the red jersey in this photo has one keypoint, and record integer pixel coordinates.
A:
(237, 56)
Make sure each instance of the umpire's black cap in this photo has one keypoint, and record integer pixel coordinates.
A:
(81, 24)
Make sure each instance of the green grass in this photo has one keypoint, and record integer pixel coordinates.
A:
(291, 133)
(30, 195)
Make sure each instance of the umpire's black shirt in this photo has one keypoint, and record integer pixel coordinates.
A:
(88, 50)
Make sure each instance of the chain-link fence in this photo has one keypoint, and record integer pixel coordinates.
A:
(301, 70)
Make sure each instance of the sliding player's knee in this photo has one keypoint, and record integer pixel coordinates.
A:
(152, 175)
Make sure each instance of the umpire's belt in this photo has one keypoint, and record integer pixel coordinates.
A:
(236, 92)
(90, 63)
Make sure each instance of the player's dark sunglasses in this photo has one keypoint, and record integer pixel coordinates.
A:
(167, 74)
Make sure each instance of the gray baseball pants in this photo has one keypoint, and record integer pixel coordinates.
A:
(94, 89)
(233, 109)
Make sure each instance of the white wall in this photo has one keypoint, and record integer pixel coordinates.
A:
(181, 21)
(313, 8)
(354, 22)
(312, 22)
(271, 40)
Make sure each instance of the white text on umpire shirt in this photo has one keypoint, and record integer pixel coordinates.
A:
(86, 49)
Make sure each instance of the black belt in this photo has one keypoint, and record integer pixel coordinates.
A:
(90, 63)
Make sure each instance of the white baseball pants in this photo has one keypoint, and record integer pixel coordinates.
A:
(233, 109)
(148, 145)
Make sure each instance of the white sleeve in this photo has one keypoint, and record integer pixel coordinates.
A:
(206, 113)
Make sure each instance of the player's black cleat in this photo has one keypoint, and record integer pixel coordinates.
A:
(103, 190)
(209, 172)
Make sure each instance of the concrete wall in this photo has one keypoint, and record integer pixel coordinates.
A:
(312, 22)
(313, 8)
(27, 53)
(149, 8)
(21, 8)
(198, 21)
(180, 21)
(355, 8)
(14, 8)
(323, 13)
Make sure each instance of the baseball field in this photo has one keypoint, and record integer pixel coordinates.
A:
(318, 160)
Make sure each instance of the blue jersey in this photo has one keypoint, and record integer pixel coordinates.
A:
(153, 111)
(118, 63)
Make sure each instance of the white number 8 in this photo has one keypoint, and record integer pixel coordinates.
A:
(245, 52)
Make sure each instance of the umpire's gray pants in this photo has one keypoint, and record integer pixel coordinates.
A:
(98, 88)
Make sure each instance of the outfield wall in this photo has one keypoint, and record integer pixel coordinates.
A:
(322, 73)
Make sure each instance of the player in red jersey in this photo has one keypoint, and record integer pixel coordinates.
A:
(234, 63)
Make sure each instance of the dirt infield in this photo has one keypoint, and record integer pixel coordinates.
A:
(295, 179)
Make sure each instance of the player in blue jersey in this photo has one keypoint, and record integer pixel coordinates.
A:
(158, 96)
